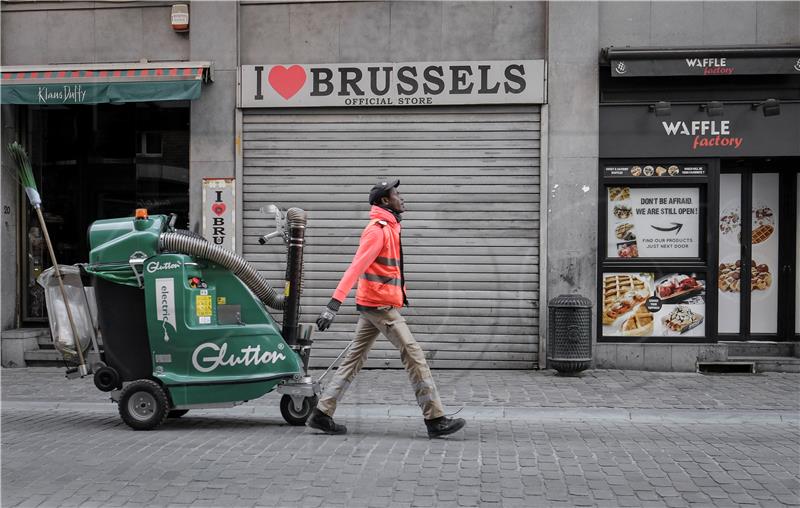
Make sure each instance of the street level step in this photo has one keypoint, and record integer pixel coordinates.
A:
(773, 363)
(759, 348)
(43, 358)
(26, 333)
(16, 342)
(45, 342)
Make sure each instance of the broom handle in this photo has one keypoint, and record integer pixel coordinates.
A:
(61, 285)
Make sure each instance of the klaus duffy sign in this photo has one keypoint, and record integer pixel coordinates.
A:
(653, 222)
(392, 84)
(219, 206)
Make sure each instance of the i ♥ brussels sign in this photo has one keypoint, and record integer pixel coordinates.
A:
(392, 84)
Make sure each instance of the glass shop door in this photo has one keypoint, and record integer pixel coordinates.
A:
(757, 280)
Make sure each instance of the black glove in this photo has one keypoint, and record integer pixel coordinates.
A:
(328, 314)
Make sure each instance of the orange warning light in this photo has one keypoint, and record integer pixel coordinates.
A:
(141, 213)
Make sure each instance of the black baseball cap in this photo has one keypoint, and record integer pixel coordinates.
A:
(382, 189)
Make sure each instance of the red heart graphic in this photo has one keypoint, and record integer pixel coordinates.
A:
(287, 82)
(218, 208)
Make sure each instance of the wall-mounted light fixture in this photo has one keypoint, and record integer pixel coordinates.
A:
(770, 107)
(661, 108)
(713, 108)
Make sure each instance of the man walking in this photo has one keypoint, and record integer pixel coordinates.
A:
(378, 267)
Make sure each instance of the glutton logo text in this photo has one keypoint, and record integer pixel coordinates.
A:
(705, 133)
(208, 356)
(156, 266)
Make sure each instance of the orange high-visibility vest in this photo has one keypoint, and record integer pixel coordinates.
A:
(382, 282)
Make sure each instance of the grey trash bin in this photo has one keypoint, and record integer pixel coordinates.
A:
(569, 337)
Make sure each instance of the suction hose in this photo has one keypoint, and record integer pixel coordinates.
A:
(198, 247)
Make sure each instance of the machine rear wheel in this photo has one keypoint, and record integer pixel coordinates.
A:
(292, 415)
(176, 413)
(107, 379)
(143, 405)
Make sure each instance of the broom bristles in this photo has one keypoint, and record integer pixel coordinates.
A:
(23, 163)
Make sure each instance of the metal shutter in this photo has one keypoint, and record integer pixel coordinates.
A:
(470, 178)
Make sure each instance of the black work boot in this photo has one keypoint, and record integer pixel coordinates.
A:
(443, 426)
(320, 421)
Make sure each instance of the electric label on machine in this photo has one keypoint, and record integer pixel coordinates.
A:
(203, 309)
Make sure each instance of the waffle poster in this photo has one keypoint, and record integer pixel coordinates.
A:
(764, 262)
(654, 304)
(653, 222)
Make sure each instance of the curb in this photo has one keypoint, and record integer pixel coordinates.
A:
(545, 414)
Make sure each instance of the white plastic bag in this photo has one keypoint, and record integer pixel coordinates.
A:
(60, 328)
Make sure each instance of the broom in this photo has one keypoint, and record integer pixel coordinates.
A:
(25, 176)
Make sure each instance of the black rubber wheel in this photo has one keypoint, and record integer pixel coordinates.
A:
(107, 379)
(176, 413)
(292, 415)
(143, 405)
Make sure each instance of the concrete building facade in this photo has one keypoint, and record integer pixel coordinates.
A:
(511, 195)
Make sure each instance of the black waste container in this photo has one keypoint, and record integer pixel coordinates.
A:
(569, 337)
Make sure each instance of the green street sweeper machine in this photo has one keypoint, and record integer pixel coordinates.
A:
(183, 323)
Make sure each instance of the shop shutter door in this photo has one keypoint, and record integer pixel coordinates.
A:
(470, 178)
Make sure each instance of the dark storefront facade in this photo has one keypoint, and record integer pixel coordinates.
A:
(103, 141)
(699, 161)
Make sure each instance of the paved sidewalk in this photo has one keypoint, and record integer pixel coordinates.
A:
(510, 388)
(607, 438)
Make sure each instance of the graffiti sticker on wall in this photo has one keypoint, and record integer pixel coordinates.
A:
(219, 205)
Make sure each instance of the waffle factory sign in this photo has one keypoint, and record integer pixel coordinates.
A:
(392, 84)
(707, 65)
(737, 130)
(705, 133)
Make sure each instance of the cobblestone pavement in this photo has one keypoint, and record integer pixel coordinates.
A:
(483, 388)
(608, 438)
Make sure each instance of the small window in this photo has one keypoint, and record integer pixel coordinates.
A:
(148, 144)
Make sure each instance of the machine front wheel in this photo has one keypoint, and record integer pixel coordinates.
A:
(143, 404)
(292, 415)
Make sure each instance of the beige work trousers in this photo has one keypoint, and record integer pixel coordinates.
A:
(389, 322)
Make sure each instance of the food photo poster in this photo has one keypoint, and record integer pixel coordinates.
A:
(764, 260)
(654, 304)
(764, 280)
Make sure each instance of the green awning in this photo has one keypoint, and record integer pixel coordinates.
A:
(103, 83)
